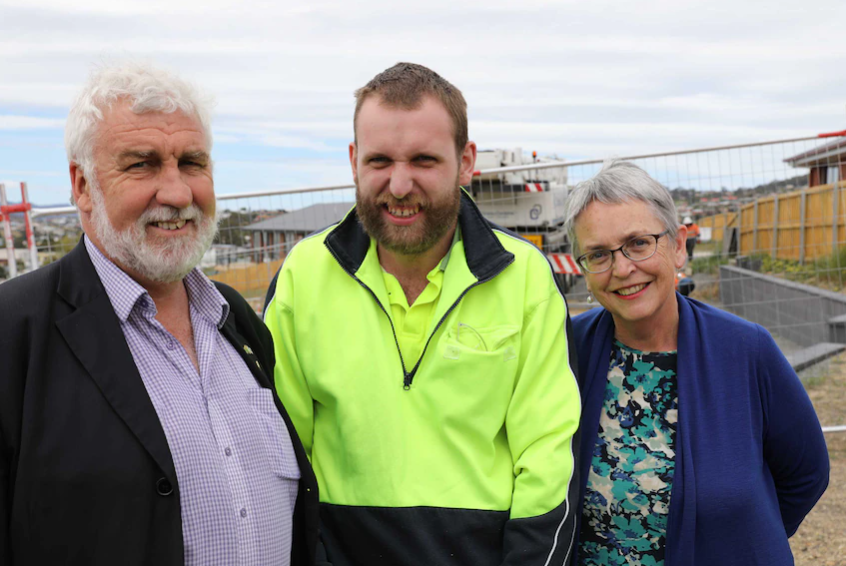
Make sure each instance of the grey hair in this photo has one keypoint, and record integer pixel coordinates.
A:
(147, 88)
(620, 182)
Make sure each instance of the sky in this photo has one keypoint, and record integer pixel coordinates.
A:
(585, 79)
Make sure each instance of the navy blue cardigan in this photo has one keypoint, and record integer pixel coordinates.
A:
(751, 459)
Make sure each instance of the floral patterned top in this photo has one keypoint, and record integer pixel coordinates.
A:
(624, 518)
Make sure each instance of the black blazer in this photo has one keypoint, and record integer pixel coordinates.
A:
(85, 468)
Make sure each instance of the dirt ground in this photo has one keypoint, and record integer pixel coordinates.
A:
(821, 540)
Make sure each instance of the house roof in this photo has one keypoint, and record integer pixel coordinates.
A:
(827, 154)
(308, 219)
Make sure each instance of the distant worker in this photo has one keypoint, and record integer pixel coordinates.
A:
(424, 354)
(138, 421)
(699, 444)
(692, 237)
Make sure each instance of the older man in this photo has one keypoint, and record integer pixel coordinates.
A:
(138, 425)
(423, 354)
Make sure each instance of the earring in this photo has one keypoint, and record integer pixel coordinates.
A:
(590, 297)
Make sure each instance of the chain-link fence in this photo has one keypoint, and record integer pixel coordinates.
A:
(771, 216)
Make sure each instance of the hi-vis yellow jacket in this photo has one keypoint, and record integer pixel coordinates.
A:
(464, 456)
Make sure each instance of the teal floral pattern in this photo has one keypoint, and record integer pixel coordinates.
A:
(624, 517)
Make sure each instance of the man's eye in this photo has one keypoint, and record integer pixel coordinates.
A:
(598, 255)
(378, 160)
(139, 165)
(638, 243)
(425, 159)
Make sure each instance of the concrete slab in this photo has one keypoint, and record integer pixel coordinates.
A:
(811, 355)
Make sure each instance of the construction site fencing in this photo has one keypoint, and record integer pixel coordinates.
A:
(749, 200)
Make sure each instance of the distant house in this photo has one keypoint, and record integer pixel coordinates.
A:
(225, 255)
(272, 238)
(827, 163)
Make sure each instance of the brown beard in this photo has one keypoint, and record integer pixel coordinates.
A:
(438, 218)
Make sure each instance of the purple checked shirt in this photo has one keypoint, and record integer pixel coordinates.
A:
(236, 469)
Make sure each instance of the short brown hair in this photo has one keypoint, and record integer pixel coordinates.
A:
(405, 84)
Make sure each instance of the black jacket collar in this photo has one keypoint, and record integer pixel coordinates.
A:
(486, 256)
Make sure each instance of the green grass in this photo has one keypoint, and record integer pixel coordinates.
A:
(708, 265)
(829, 270)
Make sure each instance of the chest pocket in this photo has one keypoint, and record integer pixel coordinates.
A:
(475, 369)
(283, 460)
(464, 342)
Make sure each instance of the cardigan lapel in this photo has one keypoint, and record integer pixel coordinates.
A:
(681, 521)
(691, 364)
(92, 332)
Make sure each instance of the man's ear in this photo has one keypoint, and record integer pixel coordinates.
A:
(466, 164)
(80, 188)
(353, 157)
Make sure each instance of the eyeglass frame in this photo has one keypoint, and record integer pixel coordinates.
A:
(622, 250)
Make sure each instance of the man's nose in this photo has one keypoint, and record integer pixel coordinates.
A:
(173, 188)
(402, 180)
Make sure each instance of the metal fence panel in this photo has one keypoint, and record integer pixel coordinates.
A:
(754, 195)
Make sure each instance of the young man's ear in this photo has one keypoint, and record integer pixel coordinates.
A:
(353, 157)
(80, 188)
(467, 164)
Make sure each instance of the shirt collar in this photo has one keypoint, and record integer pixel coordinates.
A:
(456, 237)
(125, 293)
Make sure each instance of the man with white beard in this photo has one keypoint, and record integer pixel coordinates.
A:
(138, 423)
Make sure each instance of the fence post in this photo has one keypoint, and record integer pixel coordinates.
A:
(802, 225)
(30, 236)
(775, 227)
(7, 229)
(755, 229)
(835, 198)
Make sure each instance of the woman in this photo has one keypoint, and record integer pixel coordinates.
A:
(699, 445)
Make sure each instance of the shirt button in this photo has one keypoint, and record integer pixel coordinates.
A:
(228, 451)
(164, 487)
(243, 512)
(170, 344)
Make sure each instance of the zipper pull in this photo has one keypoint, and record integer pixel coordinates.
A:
(406, 382)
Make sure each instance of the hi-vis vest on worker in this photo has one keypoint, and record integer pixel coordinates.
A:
(464, 456)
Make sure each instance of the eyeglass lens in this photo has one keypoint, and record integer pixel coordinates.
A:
(638, 248)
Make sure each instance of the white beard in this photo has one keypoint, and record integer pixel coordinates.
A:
(166, 261)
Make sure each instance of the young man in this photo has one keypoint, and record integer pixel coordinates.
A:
(423, 354)
(138, 424)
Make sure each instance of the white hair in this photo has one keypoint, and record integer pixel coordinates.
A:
(621, 182)
(147, 88)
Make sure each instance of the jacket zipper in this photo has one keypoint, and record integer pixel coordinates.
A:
(408, 376)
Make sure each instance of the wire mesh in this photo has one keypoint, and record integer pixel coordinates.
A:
(772, 217)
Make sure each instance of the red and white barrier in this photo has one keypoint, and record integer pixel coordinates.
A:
(564, 263)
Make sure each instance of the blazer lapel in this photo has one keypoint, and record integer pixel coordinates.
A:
(92, 332)
(246, 352)
(266, 380)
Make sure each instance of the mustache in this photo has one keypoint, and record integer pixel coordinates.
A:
(390, 200)
(170, 214)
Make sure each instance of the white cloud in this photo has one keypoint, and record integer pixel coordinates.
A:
(23, 174)
(8, 122)
(560, 76)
